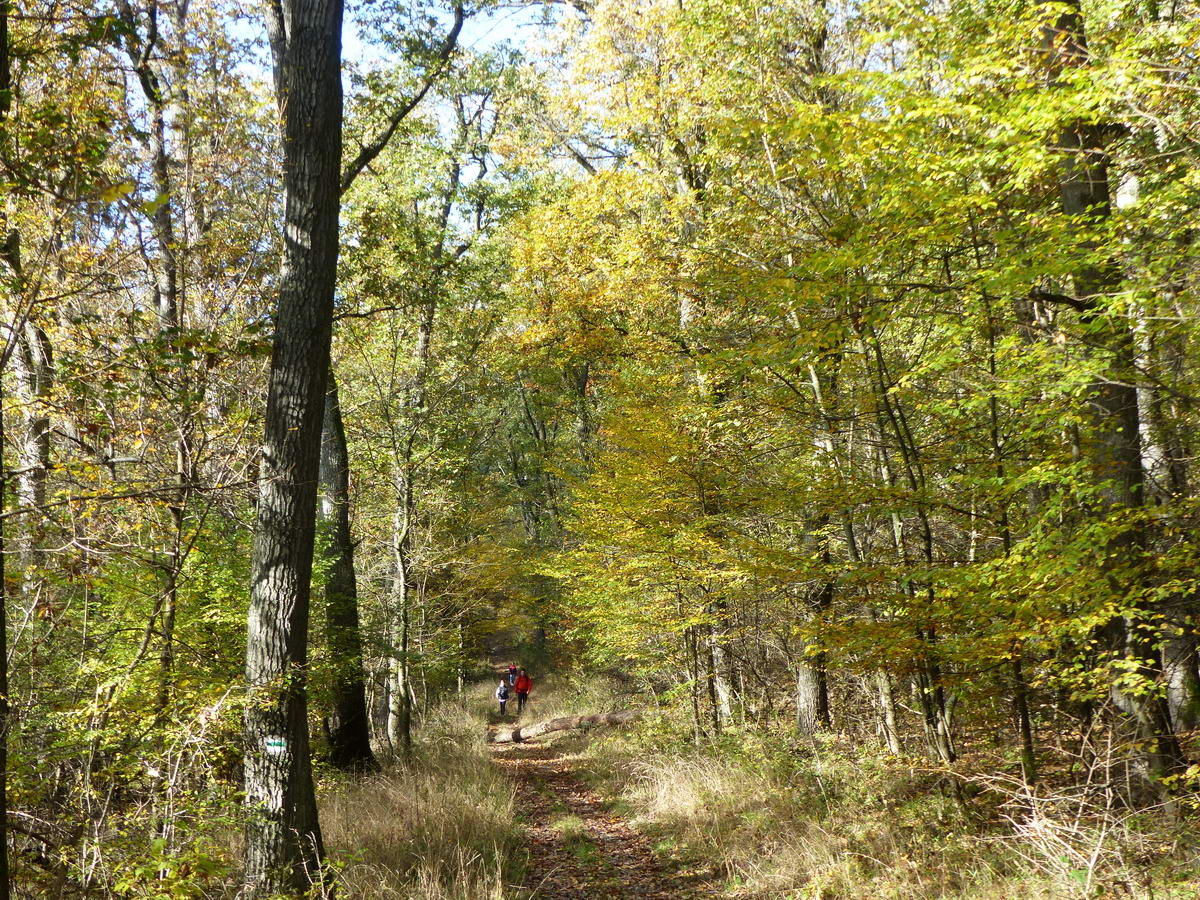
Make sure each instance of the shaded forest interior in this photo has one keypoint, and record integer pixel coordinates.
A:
(815, 379)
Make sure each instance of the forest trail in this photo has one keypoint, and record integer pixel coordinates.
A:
(580, 849)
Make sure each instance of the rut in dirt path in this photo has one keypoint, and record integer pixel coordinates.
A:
(577, 847)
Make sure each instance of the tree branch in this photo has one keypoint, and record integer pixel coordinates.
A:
(376, 146)
(1061, 300)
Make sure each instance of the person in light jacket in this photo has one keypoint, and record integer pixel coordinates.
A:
(502, 695)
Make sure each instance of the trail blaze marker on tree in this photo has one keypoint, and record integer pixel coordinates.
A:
(275, 745)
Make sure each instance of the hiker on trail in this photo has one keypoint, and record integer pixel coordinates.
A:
(512, 674)
(523, 685)
(502, 695)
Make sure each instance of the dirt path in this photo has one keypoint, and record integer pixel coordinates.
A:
(578, 848)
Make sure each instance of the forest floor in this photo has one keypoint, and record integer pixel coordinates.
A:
(578, 846)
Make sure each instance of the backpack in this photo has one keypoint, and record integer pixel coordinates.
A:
(502, 694)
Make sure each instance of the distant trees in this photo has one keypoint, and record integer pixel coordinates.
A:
(914, 473)
(408, 278)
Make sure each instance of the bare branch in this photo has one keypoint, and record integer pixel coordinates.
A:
(377, 144)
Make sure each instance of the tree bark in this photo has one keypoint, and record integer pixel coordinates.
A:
(812, 676)
(283, 838)
(928, 678)
(887, 712)
(151, 62)
(347, 724)
(1181, 663)
(413, 403)
(34, 367)
(811, 713)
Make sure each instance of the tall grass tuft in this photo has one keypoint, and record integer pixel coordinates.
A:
(440, 828)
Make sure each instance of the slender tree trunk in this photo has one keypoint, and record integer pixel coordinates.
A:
(887, 709)
(1020, 687)
(348, 742)
(400, 689)
(720, 693)
(881, 677)
(283, 838)
(693, 658)
(4, 703)
(346, 724)
(400, 677)
(144, 51)
(34, 368)
(167, 276)
(166, 655)
(928, 681)
(461, 667)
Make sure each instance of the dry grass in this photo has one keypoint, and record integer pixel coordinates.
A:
(442, 828)
(818, 821)
(839, 821)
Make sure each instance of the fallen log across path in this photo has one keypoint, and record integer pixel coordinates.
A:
(563, 723)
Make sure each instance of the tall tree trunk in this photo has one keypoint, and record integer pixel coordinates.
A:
(400, 676)
(693, 658)
(10, 256)
(1165, 462)
(349, 743)
(283, 838)
(1115, 446)
(346, 724)
(145, 52)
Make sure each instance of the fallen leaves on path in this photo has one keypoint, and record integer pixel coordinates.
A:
(577, 847)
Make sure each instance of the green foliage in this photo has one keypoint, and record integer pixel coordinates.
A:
(736, 349)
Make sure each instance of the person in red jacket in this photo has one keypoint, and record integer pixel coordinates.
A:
(523, 686)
